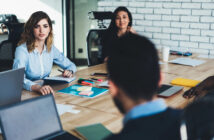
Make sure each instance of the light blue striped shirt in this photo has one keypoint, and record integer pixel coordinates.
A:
(146, 109)
(39, 66)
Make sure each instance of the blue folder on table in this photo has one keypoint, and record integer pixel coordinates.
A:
(73, 90)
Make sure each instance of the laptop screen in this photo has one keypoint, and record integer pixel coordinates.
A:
(30, 119)
(11, 83)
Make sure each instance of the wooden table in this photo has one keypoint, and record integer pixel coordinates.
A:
(102, 109)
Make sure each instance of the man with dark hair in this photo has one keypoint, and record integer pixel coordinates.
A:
(134, 77)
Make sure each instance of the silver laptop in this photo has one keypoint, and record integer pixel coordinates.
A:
(11, 83)
(168, 90)
(35, 118)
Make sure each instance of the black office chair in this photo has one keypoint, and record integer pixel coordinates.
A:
(94, 46)
(94, 37)
(8, 47)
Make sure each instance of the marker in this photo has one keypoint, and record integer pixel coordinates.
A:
(85, 80)
(86, 83)
(100, 80)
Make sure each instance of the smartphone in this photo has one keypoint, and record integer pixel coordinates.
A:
(99, 74)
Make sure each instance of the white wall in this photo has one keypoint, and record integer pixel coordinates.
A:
(83, 24)
(179, 24)
(24, 8)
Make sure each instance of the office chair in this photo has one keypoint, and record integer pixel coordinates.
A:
(94, 46)
(8, 47)
(94, 37)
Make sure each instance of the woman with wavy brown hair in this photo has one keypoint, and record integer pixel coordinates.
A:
(37, 53)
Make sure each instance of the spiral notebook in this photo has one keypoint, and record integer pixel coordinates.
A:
(58, 79)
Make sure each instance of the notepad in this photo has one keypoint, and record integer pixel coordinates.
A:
(93, 132)
(73, 90)
(58, 79)
(185, 82)
(187, 61)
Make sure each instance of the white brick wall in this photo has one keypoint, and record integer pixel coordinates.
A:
(212, 26)
(179, 24)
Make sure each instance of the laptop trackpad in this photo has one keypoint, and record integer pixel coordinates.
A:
(62, 136)
(168, 90)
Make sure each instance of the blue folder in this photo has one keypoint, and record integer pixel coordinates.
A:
(73, 90)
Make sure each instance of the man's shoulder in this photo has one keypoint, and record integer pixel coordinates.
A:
(158, 126)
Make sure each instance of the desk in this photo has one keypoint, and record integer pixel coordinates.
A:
(102, 109)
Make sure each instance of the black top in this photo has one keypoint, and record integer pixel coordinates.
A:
(107, 40)
(161, 126)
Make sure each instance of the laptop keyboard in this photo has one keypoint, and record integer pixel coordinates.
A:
(163, 88)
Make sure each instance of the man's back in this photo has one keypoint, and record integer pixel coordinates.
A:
(161, 126)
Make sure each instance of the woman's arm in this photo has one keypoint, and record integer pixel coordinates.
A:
(68, 66)
(21, 60)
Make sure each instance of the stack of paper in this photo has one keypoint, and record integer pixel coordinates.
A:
(104, 84)
(187, 61)
(61, 108)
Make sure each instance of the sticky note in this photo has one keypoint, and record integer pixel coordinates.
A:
(185, 82)
(84, 88)
(88, 93)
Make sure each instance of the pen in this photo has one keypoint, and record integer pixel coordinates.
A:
(60, 70)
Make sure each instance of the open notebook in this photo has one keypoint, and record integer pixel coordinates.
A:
(58, 79)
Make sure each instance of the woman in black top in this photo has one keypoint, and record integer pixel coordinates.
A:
(120, 25)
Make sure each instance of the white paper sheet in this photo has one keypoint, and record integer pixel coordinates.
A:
(60, 78)
(187, 61)
(66, 108)
(104, 84)
(206, 56)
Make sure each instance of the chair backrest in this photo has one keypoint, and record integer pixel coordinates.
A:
(8, 47)
(94, 46)
(8, 18)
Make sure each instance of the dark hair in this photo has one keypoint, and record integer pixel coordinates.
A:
(112, 25)
(199, 118)
(28, 36)
(133, 66)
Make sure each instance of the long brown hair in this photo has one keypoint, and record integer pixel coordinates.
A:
(112, 26)
(28, 35)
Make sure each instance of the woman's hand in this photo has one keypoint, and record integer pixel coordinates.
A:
(44, 90)
(194, 91)
(67, 73)
(201, 89)
(130, 29)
